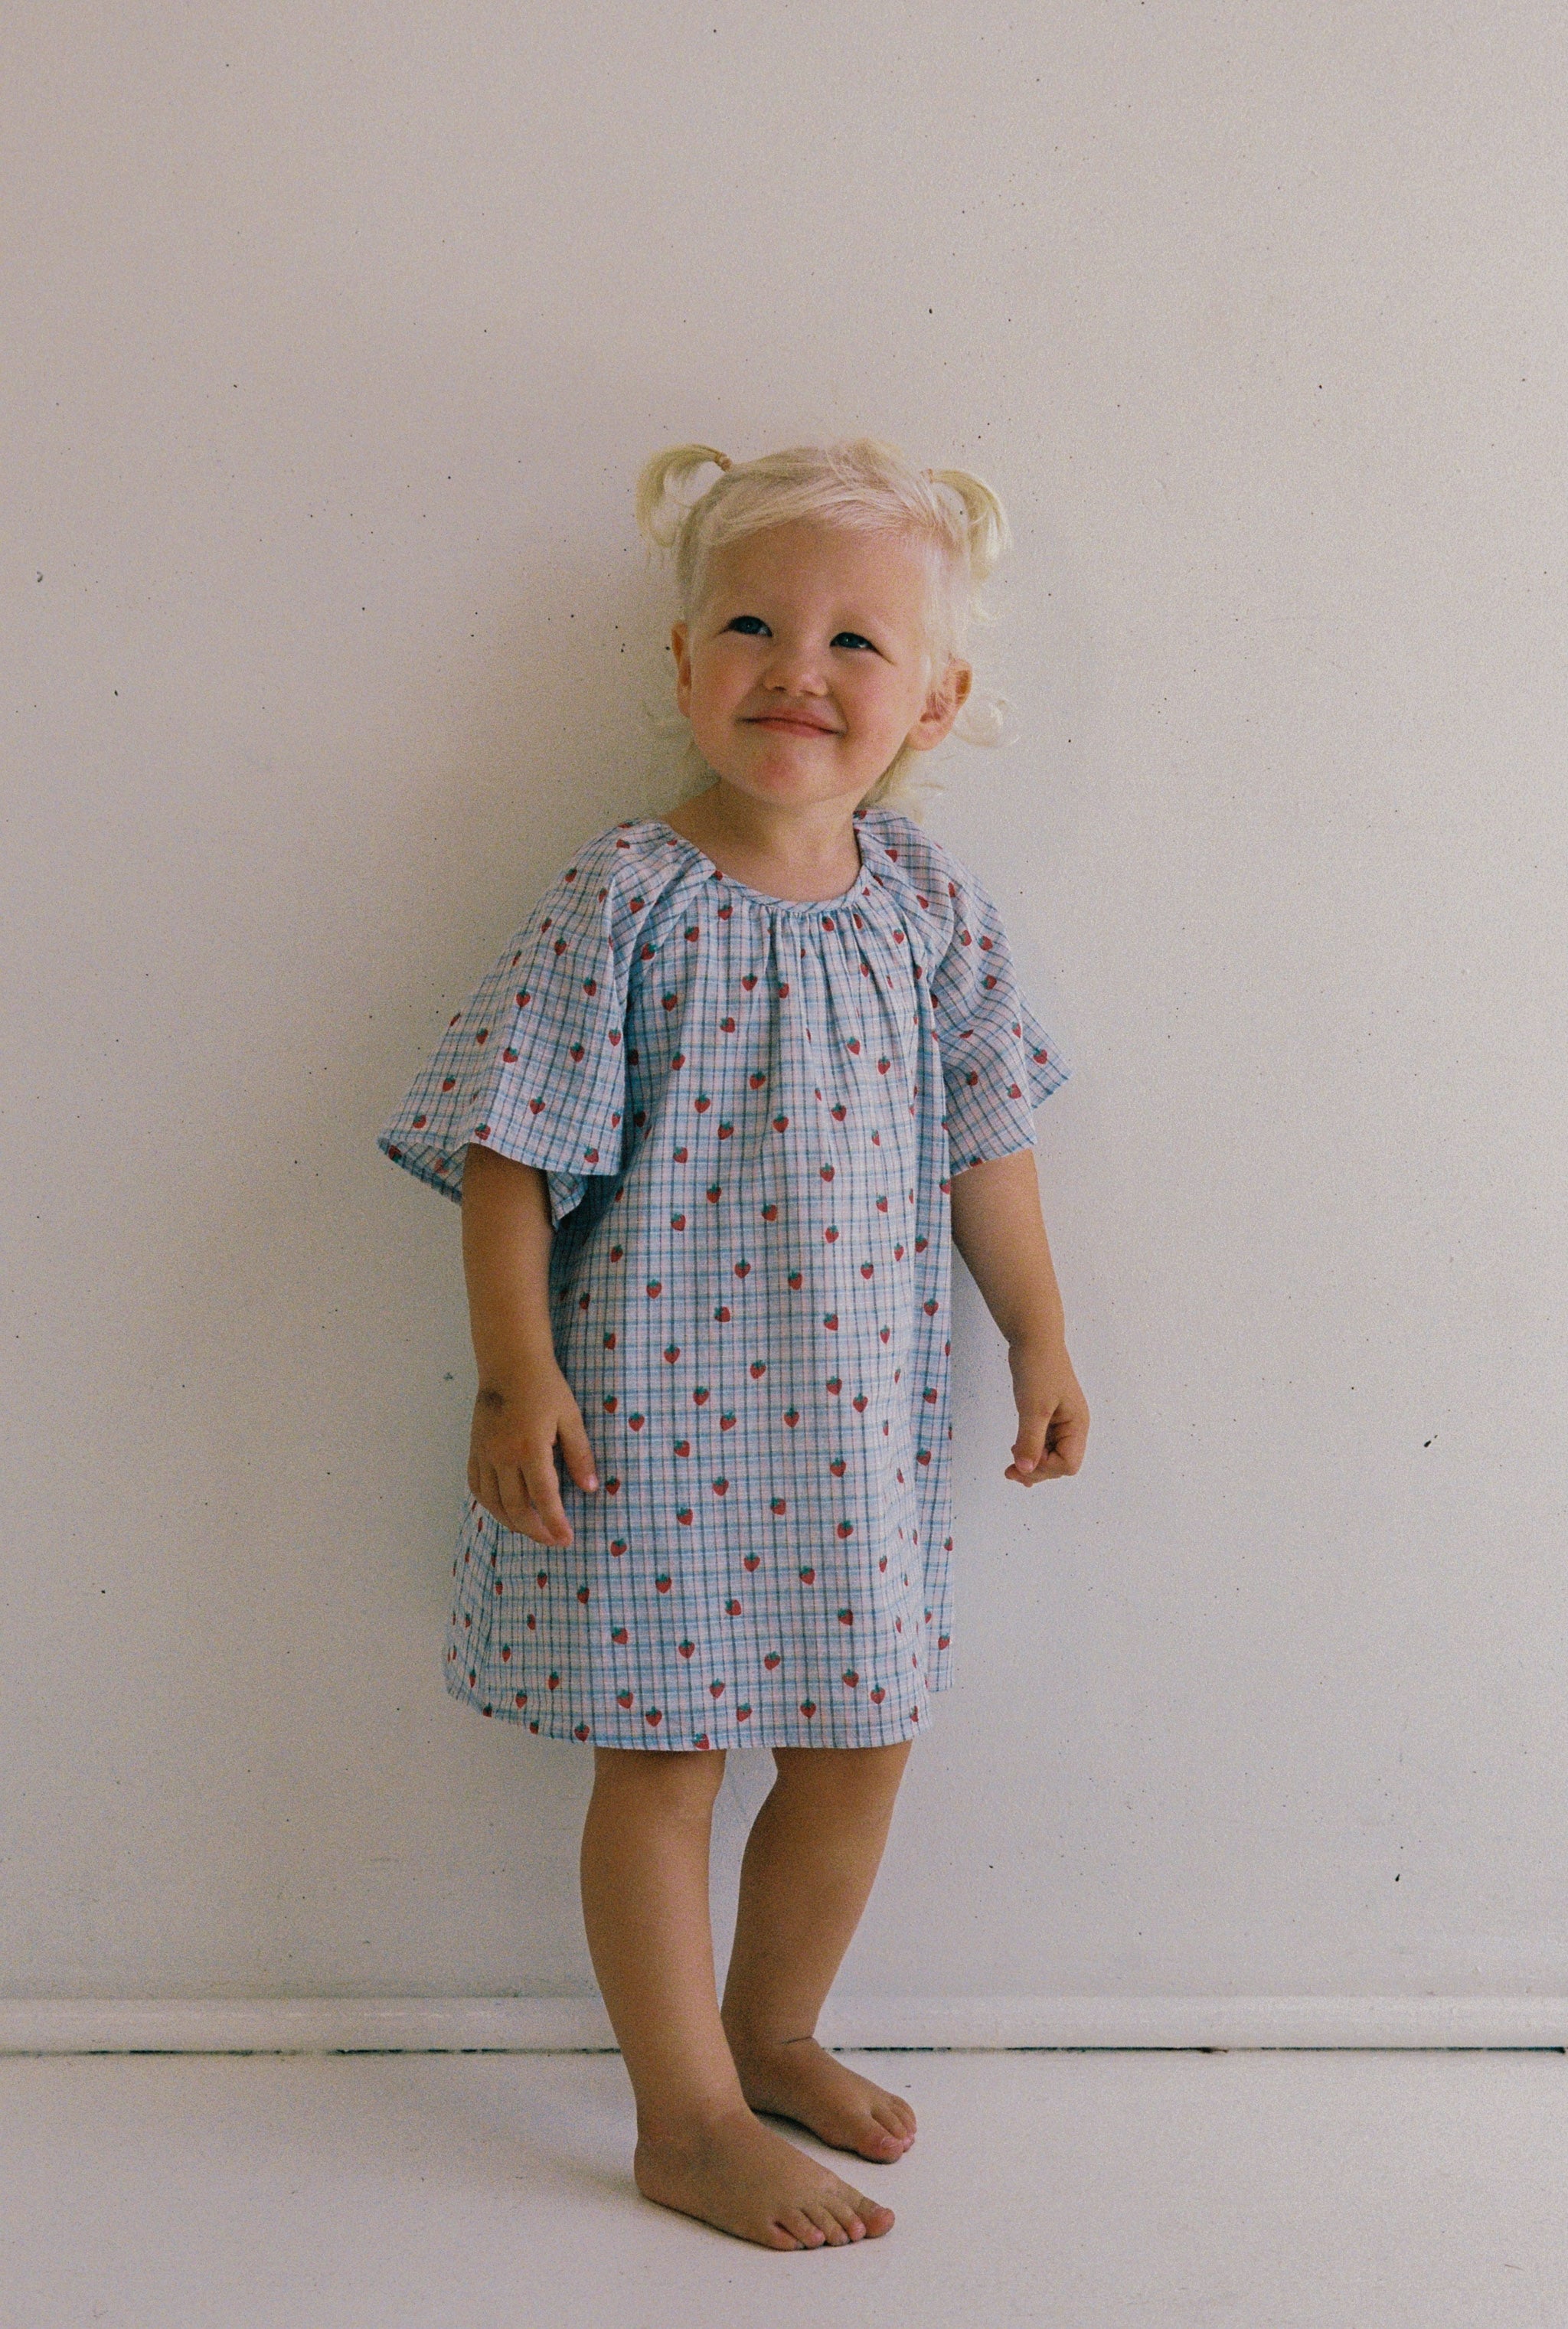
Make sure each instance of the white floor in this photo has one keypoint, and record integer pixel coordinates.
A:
(1277, 2190)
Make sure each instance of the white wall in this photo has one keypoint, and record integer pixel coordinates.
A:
(334, 337)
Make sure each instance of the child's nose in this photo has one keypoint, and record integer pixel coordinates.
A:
(794, 668)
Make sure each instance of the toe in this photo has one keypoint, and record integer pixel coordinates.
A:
(877, 2219)
(847, 2207)
(821, 2214)
(800, 2228)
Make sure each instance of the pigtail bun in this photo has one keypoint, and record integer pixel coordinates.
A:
(660, 512)
(986, 518)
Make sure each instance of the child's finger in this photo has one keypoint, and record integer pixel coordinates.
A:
(1071, 1439)
(576, 1453)
(1028, 1447)
(544, 1488)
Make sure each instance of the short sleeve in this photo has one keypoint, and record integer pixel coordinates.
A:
(534, 1065)
(999, 1063)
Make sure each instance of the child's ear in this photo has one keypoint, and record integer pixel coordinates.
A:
(680, 650)
(945, 700)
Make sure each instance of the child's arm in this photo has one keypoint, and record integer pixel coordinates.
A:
(998, 1228)
(525, 1403)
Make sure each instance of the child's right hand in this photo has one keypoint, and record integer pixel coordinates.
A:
(512, 1453)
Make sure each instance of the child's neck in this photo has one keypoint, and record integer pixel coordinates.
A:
(801, 853)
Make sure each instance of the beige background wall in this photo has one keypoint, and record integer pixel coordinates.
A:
(333, 337)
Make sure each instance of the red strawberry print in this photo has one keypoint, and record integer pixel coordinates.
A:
(642, 946)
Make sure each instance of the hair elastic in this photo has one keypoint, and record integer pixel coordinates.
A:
(722, 461)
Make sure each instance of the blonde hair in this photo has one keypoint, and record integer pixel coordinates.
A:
(864, 486)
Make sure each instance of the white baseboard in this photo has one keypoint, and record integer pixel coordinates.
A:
(552, 2025)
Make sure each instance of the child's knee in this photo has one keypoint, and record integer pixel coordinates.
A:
(850, 1776)
(672, 1783)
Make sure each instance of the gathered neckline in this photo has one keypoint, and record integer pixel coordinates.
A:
(784, 905)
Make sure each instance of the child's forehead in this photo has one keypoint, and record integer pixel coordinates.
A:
(813, 555)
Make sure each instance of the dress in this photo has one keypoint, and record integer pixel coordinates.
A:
(747, 1109)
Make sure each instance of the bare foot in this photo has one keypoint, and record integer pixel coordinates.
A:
(801, 2081)
(747, 2180)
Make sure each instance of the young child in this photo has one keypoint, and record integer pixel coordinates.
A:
(714, 1119)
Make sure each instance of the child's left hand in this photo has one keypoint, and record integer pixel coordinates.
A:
(1053, 1414)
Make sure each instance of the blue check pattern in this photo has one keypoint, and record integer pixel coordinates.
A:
(750, 1112)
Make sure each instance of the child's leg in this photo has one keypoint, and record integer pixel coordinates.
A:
(645, 1902)
(810, 1862)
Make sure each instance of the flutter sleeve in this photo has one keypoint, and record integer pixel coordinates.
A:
(999, 1063)
(534, 1065)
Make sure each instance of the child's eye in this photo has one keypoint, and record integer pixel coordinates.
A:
(852, 639)
(752, 626)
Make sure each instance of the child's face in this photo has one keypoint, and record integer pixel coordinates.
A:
(807, 666)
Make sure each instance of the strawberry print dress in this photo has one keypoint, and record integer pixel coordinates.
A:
(747, 1110)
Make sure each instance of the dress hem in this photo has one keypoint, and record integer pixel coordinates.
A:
(559, 1725)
